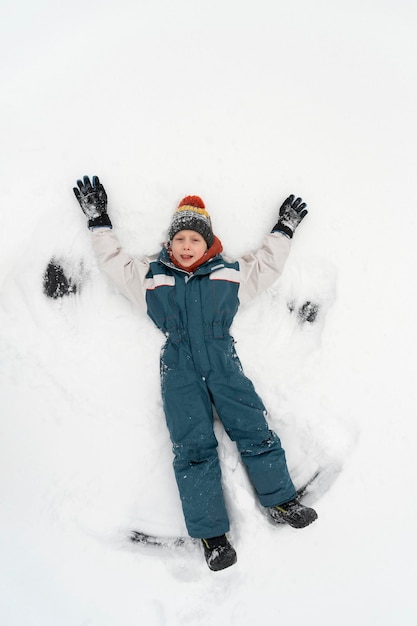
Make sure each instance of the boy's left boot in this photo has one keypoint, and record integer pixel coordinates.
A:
(293, 513)
(219, 553)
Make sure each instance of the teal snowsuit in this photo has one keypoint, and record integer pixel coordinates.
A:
(200, 369)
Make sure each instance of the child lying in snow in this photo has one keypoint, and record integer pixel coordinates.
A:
(192, 295)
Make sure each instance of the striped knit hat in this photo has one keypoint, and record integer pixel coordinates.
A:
(191, 214)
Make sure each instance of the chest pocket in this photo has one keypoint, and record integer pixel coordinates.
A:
(222, 301)
(160, 299)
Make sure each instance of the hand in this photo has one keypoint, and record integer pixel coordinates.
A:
(290, 215)
(93, 201)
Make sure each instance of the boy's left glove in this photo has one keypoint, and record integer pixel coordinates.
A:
(93, 201)
(290, 215)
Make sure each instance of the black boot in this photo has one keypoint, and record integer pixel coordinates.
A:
(293, 513)
(219, 553)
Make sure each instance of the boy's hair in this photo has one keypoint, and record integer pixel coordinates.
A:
(191, 214)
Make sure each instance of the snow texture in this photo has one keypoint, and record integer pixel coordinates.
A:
(241, 103)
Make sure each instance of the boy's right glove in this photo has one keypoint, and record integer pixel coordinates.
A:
(93, 201)
(290, 215)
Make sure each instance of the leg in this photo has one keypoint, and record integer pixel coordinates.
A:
(244, 417)
(189, 416)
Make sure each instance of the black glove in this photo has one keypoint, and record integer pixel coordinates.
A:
(290, 215)
(93, 201)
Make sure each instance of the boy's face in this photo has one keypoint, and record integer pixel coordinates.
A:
(188, 247)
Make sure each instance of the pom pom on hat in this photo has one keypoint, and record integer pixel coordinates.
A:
(193, 201)
(191, 214)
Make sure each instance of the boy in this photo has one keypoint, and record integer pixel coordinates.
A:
(192, 294)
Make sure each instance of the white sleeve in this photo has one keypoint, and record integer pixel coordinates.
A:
(126, 272)
(259, 270)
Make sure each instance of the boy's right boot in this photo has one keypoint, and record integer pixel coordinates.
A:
(219, 553)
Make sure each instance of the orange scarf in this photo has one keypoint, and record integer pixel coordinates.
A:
(210, 253)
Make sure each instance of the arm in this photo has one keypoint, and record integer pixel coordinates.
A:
(127, 273)
(261, 269)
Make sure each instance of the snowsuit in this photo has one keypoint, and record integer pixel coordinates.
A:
(200, 368)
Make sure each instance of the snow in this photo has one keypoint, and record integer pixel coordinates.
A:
(241, 103)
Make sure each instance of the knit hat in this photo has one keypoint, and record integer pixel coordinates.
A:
(191, 214)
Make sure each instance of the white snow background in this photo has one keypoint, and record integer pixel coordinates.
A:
(242, 103)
